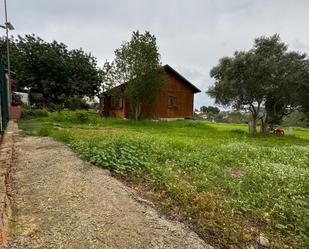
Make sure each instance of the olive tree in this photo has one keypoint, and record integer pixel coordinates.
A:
(269, 80)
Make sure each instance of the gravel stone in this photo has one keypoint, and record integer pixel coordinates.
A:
(262, 240)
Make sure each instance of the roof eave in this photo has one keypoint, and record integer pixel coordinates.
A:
(168, 67)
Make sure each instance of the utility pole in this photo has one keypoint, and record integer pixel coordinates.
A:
(8, 26)
(8, 51)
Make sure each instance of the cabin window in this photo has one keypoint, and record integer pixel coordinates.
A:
(171, 101)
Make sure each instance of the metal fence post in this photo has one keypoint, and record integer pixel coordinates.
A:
(4, 102)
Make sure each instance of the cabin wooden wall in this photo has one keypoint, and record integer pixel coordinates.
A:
(106, 106)
(183, 96)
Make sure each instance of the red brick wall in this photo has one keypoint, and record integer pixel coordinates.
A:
(15, 112)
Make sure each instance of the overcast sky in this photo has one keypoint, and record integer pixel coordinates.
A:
(192, 35)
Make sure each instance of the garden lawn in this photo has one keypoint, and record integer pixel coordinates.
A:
(228, 185)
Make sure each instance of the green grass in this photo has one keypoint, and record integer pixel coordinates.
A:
(229, 185)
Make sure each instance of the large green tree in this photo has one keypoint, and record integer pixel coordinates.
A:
(210, 109)
(238, 84)
(267, 80)
(286, 79)
(137, 64)
(52, 70)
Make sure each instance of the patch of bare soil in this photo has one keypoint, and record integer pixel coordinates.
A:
(60, 201)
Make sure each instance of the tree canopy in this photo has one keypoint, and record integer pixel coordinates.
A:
(52, 70)
(137, 64)
(210, 109)
(269, 80)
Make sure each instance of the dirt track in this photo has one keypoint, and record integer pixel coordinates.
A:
(59, 201)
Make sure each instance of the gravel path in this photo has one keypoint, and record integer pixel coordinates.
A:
(60, 201)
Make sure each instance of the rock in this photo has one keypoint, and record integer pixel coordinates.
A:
(262, 240)
(251, 247)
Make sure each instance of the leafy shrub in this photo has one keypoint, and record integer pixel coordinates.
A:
(76, 103)
(37, 99)
(122, 155)
(28, 113)
(77, 117)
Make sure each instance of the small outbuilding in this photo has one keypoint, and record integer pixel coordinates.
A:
(175, 101)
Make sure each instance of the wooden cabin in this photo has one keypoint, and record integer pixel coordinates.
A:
(174, 102)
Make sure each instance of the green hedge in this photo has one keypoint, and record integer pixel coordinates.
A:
(33, 113)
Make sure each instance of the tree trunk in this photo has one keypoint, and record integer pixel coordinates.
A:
(264, 126)
(137, 111)
(254, 114)
(253, 127)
